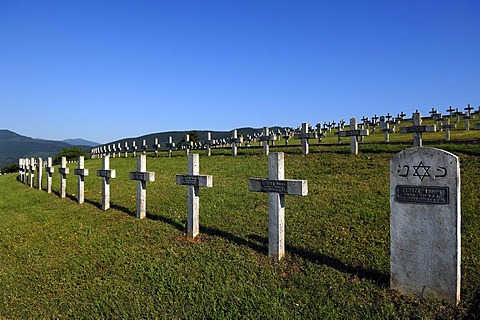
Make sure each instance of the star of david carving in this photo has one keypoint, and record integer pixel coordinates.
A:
(421, 174)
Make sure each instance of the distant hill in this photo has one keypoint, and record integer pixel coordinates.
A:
(14, 146)
(81, 142)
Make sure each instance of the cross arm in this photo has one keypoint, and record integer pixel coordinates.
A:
(350, 133)
(142, 176)
(426, 128)
(287, 186)
(194, 180)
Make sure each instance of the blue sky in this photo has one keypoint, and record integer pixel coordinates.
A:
(105, 70)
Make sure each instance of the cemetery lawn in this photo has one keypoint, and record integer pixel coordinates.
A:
(60, 259)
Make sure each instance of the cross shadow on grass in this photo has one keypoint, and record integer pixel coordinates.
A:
(381, 278)
(260, 245)
(94, 203)
(213, 232)
(68, 196)
(122, 209)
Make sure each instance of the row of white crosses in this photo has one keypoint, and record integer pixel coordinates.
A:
(27, 168)
(275, 185)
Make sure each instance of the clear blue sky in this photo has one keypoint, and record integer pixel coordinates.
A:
(105, 70)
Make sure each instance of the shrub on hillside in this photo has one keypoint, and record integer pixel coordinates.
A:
(71, 154)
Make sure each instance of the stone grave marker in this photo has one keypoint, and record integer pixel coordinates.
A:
(234, 140)
(467, 117)
(457, 114)
(447, 126)
(425, 223)
(142, 177)
(126, 149)
(477, 125)
(450, 111)
(208, 144)
(319, 132)
(27, 170)
(81, 172)
(277, 187)
(374, 123)
(304, 135)
(286, 136)
(354, 133)
(265, 138)
(106, 173)
(49, 169)
(170, 146)
(156, 145)
(417, 129)
(144, 146)
(21, 169)
(433, 115)
(193, 180)
(339, 129)
(134, 148)
(39, 173)
(187, 144)
(32, 172)
(63, 170)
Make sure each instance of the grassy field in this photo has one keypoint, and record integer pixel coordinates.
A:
(63, 260)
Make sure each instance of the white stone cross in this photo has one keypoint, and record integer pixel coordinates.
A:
(63, 170)
(126, 149)
(385, 127)
(354, 133)
(468, 116)
(142, 177)
(134, 148)
(39, 173)
(144, 146)
(266, 138)
(339, 129)
(32, 172)
(208, 144)
(20, 169)
(187, 144)
(304, 135)
(106, 173)
(49, 169)
(119, 149)
(81, 172)
(156, 145)
(417, 129)
(194, 181)
(447, 126)
(277, 187)
(170, 146)
(26, 168)
(234, 140)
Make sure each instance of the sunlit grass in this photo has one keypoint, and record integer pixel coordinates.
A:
(63, 260)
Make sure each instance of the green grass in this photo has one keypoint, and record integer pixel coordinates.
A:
(62, 260)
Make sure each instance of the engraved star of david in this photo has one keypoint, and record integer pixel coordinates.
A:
(425, 171)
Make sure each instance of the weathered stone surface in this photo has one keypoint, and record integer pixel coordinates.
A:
(63, 170)
(277, 187)
(193, 180)
(142, 177)
(106, 173)
(425, 223)
(81, 172)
